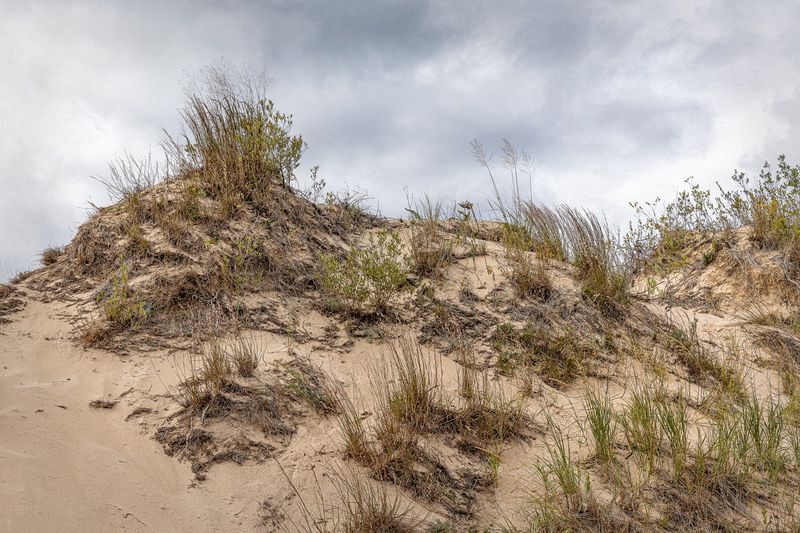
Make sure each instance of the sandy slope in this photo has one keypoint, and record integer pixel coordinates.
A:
(69, 467)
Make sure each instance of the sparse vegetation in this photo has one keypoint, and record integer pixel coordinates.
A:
(558, 357)
(308, 382)
(411, 405)
(367, 508)
(489, 415)
(683, 340)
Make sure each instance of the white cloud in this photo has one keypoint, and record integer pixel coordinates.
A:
(616, 101)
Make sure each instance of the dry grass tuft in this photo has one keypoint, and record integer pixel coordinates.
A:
(430, 247)
(245, 354)
(51, 254)
(566, 234)
(528, 274)
(307, 381)
(367, 508)
(411, 408)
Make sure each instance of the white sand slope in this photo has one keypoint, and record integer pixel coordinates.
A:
(69, 467)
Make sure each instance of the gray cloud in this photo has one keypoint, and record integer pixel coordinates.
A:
(615, 100)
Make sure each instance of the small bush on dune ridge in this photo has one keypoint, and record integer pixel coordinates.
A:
(661, 234)
(367, 279)
(769, 204)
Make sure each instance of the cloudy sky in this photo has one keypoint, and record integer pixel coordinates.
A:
(615, 101)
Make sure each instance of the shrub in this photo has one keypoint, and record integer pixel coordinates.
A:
(660, 235)
(121, 304)
(769, 204)
(367, 279)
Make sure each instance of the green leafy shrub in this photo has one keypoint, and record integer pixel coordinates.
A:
(769, 204)
(661, 232)
(121, 304)
(366, 280)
